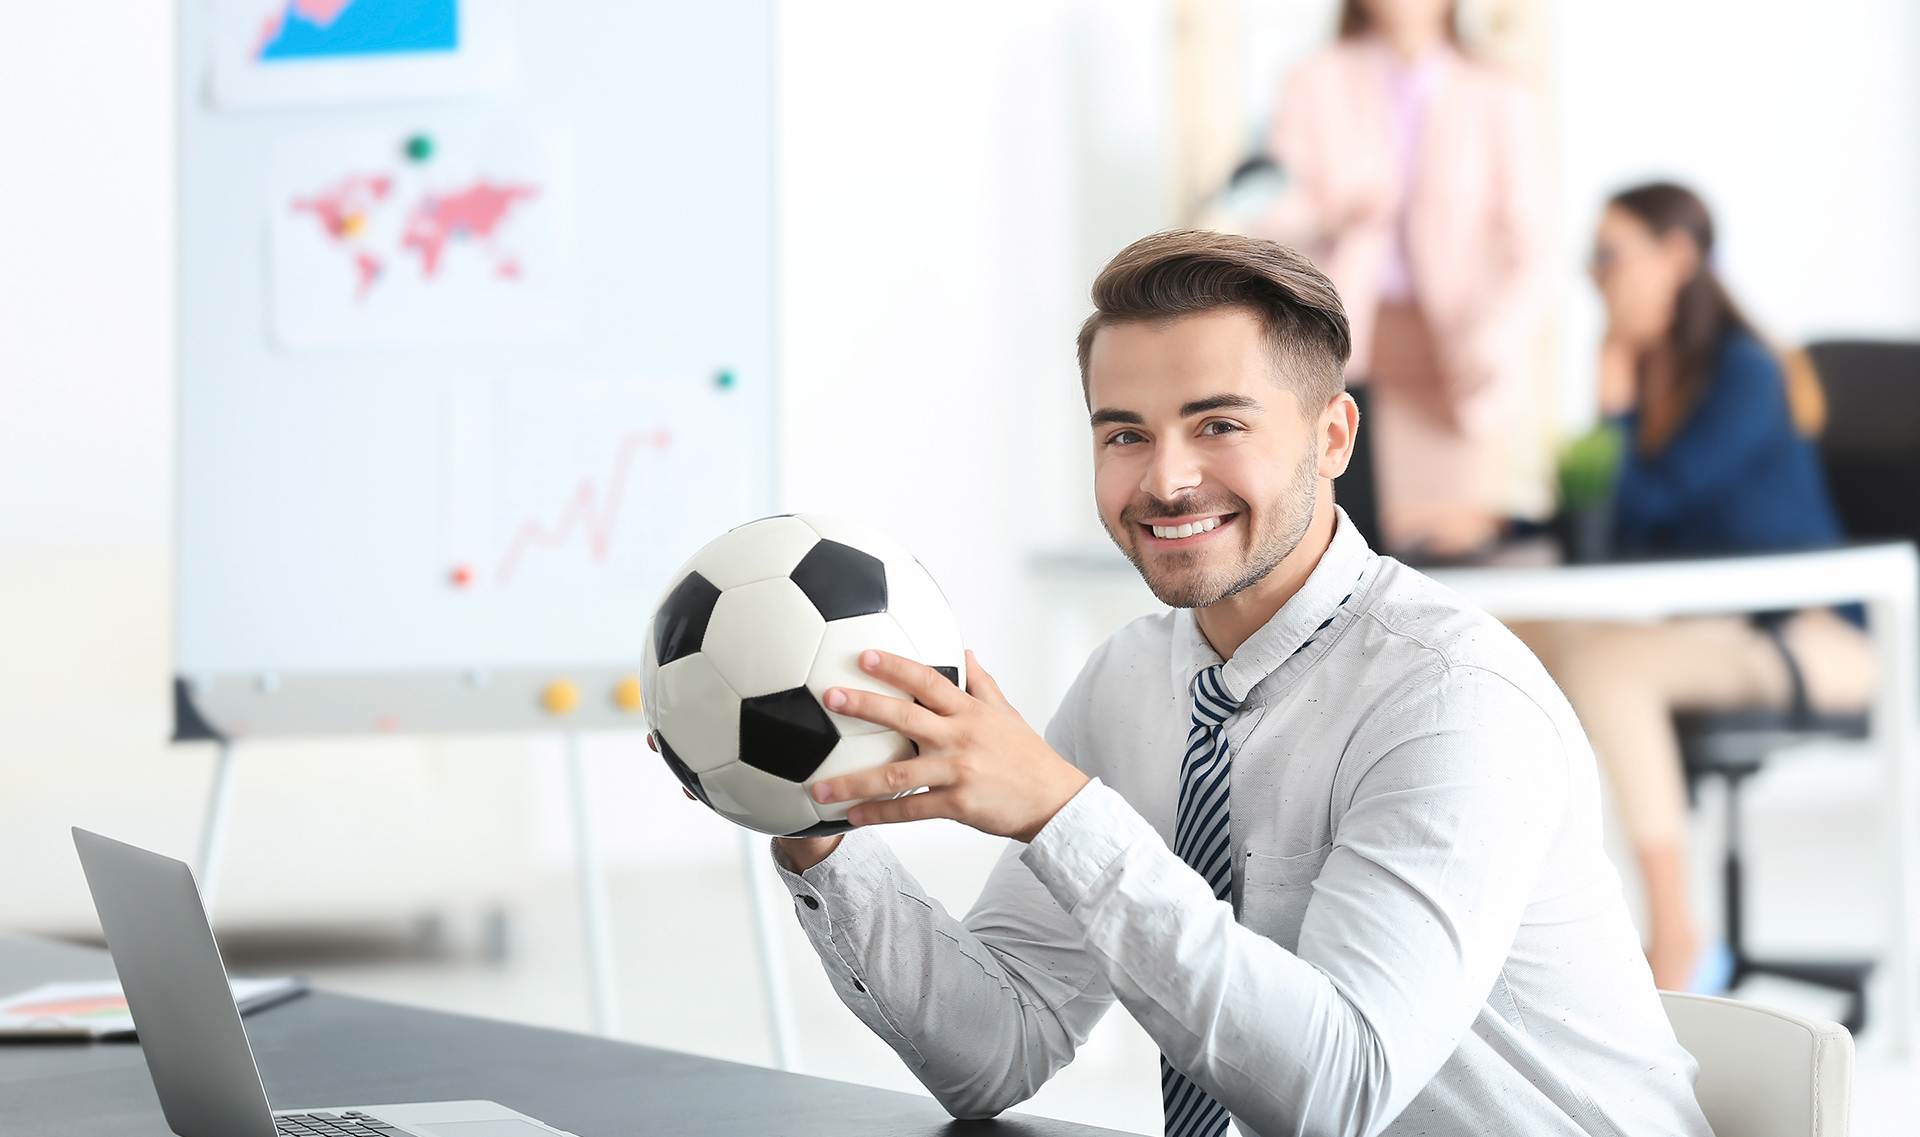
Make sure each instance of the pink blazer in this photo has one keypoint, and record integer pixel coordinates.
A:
(1474, 215)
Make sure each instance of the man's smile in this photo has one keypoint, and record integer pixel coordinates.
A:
(1184, 531)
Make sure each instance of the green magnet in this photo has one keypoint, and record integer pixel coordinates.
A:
(419, 148)
(724, 380)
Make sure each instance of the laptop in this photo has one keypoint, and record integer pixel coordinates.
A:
(196, 1048)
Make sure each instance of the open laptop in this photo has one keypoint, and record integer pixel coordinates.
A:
(190, 1031)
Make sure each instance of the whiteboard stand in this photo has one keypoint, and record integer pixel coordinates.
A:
(763, 897)
(213, 828)
(595, 919)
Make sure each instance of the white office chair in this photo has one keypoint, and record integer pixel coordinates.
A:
(1764, 1072)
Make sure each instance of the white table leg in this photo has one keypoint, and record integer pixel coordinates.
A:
(1895, 623)
(213, 828)
(595, 920)
(768, 902)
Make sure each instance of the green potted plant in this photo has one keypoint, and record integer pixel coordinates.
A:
(1584, 524)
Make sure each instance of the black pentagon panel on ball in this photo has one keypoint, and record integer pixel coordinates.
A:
(787, 734)
(842, 581)
(825, 829)
(681, 622)
(687, 777)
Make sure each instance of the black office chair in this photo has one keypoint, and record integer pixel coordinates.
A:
(1871, 451)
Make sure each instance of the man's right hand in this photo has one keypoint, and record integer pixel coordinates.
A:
(806, 852)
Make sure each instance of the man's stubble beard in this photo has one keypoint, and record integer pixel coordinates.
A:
(1286, 526)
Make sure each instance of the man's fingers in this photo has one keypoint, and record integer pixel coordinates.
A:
(913, 807)
(981, 685)
(917, 679)
(885, 781)
(884, 710)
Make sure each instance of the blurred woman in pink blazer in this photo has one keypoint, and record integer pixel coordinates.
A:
(1413, 182)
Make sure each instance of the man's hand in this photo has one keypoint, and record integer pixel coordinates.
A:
(979, 762)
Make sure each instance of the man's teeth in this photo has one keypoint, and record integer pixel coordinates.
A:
(1175, 532)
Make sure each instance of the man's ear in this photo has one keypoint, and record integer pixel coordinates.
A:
(1339, 426)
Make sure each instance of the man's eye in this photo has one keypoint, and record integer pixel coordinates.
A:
(1219, 427)
(1124, 437)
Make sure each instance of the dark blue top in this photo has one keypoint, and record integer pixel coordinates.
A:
(1736, 478)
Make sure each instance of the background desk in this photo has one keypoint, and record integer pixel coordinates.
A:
(328, 1049)
(1884, 577)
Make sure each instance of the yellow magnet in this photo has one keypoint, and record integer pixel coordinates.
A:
(626, 693)
(560, 697)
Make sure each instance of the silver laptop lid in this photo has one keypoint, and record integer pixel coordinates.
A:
(176, 987)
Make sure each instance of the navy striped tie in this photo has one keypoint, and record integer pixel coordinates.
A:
(1201, 838)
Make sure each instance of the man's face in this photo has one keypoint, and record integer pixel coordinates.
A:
(1205, 470)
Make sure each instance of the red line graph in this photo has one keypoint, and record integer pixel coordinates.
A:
(597, 515)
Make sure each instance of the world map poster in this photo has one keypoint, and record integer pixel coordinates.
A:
(295, 52)
(425, 236)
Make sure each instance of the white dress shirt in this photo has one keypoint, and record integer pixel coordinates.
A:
(1425, 936)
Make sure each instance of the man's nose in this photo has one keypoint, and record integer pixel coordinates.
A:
(1171, 473)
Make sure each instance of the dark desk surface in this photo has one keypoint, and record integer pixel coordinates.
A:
(327, 1049)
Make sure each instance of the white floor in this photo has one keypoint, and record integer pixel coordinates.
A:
(687, 978)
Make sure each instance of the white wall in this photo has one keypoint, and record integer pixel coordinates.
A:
(86, 317)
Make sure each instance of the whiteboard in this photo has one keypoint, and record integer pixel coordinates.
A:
(469, 360)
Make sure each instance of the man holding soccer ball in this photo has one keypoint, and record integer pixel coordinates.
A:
(1330, 835)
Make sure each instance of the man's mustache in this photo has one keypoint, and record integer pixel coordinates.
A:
(1147, 512)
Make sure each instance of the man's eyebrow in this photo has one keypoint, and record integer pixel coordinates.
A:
(1106, 415)
(1218, 403)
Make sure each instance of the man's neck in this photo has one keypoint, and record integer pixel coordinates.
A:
(1228, 623)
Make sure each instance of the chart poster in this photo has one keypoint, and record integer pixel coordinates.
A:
(592, 483)
(429, 236)
(287, 53)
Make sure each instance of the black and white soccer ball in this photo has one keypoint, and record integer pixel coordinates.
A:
(753, 631)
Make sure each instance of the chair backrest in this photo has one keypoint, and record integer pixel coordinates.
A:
(1871, 444)
(1765, 1072)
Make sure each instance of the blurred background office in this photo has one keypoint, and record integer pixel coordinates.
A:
(950, 178)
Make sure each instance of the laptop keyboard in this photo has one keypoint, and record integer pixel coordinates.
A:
(351, 1123)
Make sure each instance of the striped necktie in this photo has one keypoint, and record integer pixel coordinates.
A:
(1201, 838)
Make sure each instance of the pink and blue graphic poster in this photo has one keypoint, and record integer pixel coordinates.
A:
(292, 52)
(344, 29)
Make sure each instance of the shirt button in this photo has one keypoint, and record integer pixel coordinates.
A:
(810, 902)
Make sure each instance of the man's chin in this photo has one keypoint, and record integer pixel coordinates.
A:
(1186, 586)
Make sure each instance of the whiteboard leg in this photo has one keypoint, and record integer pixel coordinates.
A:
(767, 900)
(595, 922)
(213, 829)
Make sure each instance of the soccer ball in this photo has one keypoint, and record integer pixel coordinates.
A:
(753, 631)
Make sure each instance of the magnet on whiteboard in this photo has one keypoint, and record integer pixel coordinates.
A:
(269, 682)
(626, 693)
(560, 697)
(724, 379)
(461, 576)
(419, 148)
(477, 677)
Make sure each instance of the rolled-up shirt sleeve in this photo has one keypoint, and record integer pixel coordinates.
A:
(1454, 793)
(982, 1011)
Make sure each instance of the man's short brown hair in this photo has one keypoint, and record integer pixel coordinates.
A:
(1185, 271)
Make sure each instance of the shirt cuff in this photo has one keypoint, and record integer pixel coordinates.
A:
(856, 874)
(1084, 841)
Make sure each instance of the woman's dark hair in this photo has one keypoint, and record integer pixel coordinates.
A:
(1355, 20)
(1703, 313)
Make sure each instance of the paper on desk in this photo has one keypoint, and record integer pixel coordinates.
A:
(97, 1009)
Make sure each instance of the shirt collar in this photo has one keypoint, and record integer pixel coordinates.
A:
(1309, 614)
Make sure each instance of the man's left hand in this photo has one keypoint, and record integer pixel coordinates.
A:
(979, 762)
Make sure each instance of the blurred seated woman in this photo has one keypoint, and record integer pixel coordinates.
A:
(1713, 464)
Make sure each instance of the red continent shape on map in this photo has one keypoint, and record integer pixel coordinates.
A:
(343, 209)
(342, 212)
(470, 214)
